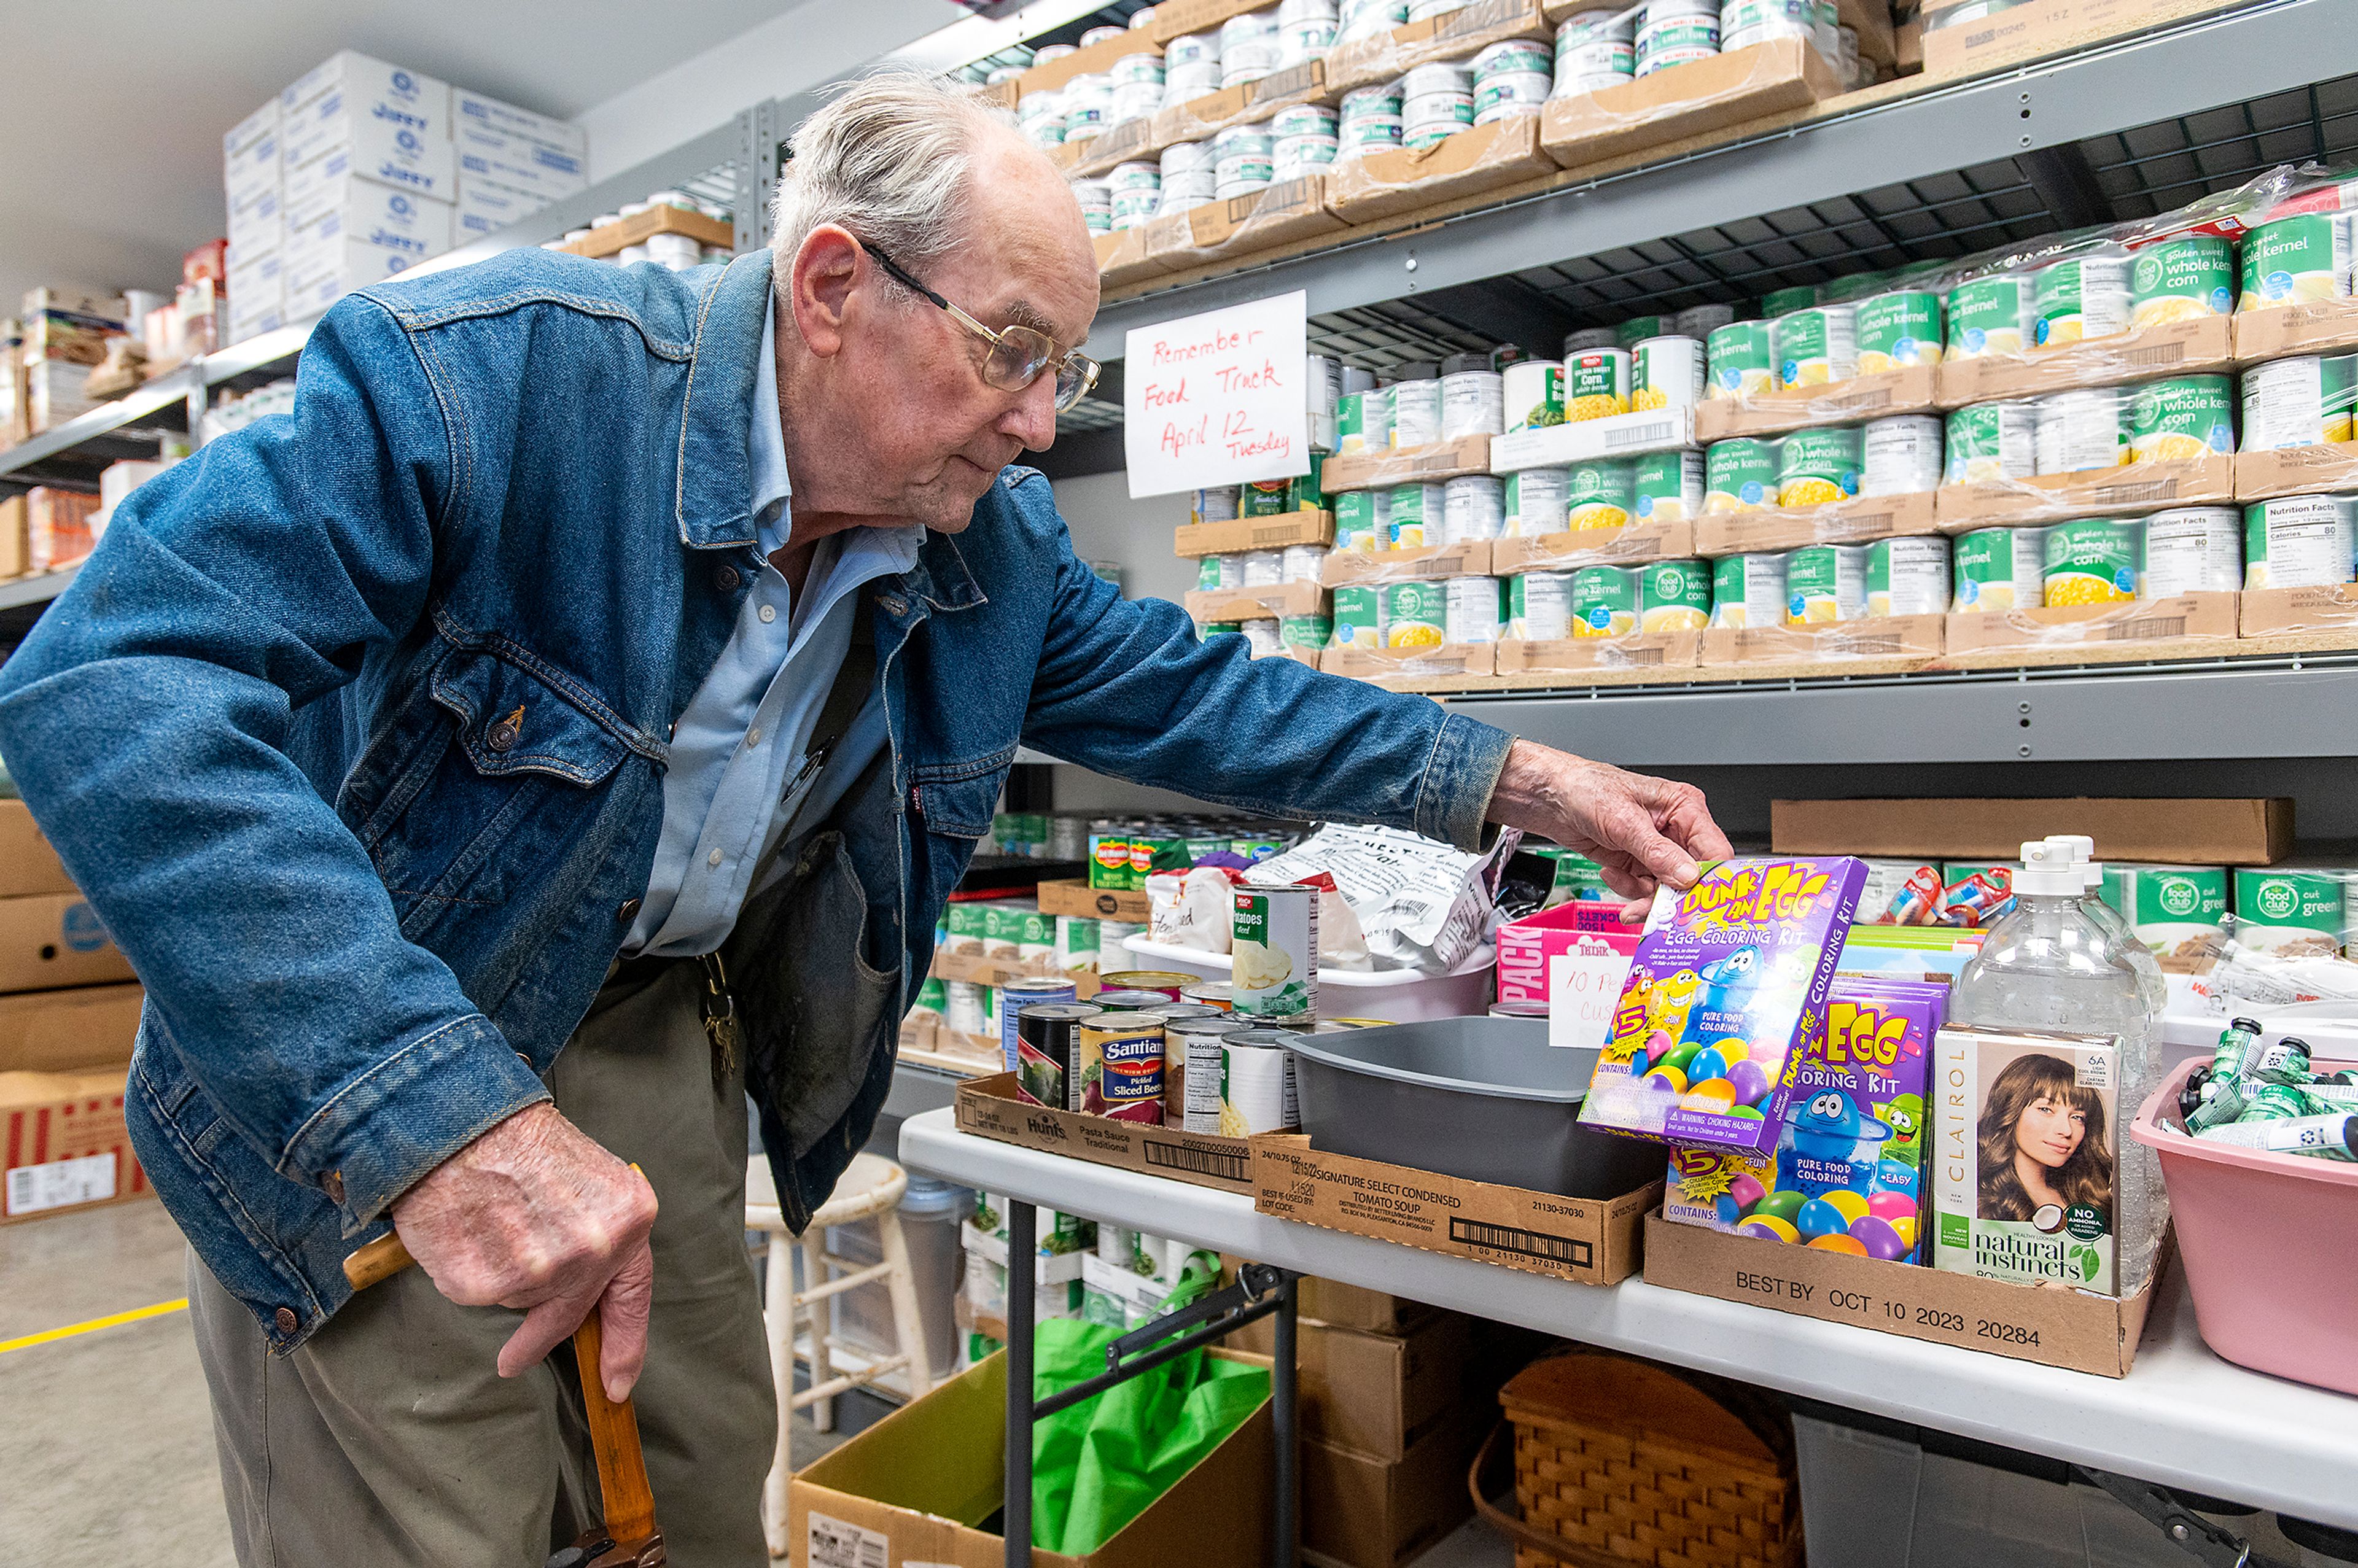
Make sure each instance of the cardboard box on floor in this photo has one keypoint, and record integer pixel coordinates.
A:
(915, 1488)
(27, 864)
(2256, 832)
(1359, 1511)
(1354, 1306)
(1377, 1394)
(63, 1145)
(56, 1031)
(55, 939)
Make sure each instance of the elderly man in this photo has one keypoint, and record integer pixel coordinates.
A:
(575, 715)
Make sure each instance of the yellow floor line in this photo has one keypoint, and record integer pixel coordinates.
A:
(116, 1321)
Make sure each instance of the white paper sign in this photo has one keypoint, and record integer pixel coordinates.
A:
(1221, 398)
(1582, 990)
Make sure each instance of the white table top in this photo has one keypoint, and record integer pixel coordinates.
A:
(2182, 1417)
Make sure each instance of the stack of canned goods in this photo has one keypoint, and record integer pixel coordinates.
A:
(1191, 68)
(1607, 492)
(1243, 160)
(1096, 196)
(1305, 29)
(1304, 139)
(1123, 850)
(1186, 176)
(1137, 193)
(1249, 46)
(1818, 584)
(2174, 420)
(1595, 49)
(1609, 601)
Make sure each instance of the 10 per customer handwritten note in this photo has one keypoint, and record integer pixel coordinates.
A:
(1219, 398)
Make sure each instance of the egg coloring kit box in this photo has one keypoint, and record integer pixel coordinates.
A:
(1847, 1174)
(2025, 1149)
(1728, 984)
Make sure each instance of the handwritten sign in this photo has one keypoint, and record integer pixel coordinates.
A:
(1583, 987)
(1221, 398)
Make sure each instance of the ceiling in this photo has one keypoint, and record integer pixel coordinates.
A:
(110, 157)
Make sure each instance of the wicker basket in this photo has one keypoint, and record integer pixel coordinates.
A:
(1620, 1460)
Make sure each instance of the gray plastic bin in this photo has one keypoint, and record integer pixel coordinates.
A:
(1488, 1099)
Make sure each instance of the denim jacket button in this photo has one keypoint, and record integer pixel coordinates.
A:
(627, 913)
(286, 1321)
(726, 578)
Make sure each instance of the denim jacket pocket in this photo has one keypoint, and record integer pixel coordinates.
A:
(959, 799)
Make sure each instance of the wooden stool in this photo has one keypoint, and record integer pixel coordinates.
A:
(870, 1189)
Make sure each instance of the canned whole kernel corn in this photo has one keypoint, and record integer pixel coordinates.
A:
(1358, 616)
(2193, 549)
(1362, 420)
(1534, 393)
(1473, 508)
(1535, 503)
(1674, 596)
(2182, 279)
(1473, 403)
(1747, 591)
(1668, 486)
(1363, 520)
(1739, 475)
(2093, 560)
(2301, 401)
(1416, 614)
(2298, 259)
(1741, 360)
(1416, 412)
(1817, 345)
(1539, 606)
(1991, 316)
(1900, 456)
(1898, 330)
(1814, 467)
(1665, 372)
(1984, 441)
(2077, 431)
(2300, 541)
(1263, 498)
(2081, 297)
(1908, 577)
(1215, 572)
(1603, 601)
(1472, 610)
(2185, 417)
(1595, 384)
(1825, 582)
(1999, 569)
(1418, 512)
(1600, 494)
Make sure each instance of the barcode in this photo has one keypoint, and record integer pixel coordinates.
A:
(2152, 626)
(2158, 489)
(1514, 1238)
(20, 1189)
(2159, 354)
(836, 1544)
(1640, 655)
(1857, 527)
(1218, 1163)
(1641, 435)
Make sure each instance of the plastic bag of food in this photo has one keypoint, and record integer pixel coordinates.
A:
(1420, 903)
(1190, 908)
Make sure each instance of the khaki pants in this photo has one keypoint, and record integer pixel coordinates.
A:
(390, 1438)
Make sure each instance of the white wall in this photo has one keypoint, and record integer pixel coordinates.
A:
(1108, 524)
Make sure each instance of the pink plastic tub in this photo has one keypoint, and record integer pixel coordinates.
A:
(2269, 1243)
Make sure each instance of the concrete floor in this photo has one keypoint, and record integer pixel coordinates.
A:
(111, 1457)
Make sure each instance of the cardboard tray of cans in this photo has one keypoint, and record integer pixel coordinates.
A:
(991, 1108)
(1382, 469)
(1124, 143)
(1429, 562)
(1638, 651)
(1912, 390)
(2045, 27)
(2296, 470)
(1272, 603)
(1881, 637)
(1245, 104)
(1122, 257)
(2054, 1328)
(1690, 100)
(1589, 1242)
(2279, 611)
(1434, 666)
(2130, 489)
(1453, 35)
(1855, 521)
(1296, 209)
(609, 239)
(1077, 898)
(2007, 634)
(2310, 327)
(1630, 544)
(1401, 180)
(2204, 346)
(1234, 535)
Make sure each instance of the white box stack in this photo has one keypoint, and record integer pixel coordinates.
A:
(253, 183)
(511, 162)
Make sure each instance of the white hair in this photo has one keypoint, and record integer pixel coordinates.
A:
(889, 157)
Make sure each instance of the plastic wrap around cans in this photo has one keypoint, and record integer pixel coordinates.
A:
(2300, 541)
(1533, 394)
(2095, 560)
(1136, 175)
(2305, 401)
(1264, 568)
(2193, 549)
(2081, 297)
(1818, 466)
(1739, 475)
(1985, 441)
(1473, 508)
(1264, 636)
(1415, 615)
(1666, 373)
(1297, 156)
(1673, 596)
(1418, 512)
(2179, 418)
(1816, 345)
(1416, 413)
(1600, 493)
(1902, 456)
(1473, 403)
(1997, 570)
(1604, 601)
(1221, 573)
(1298, 43)
(1362, 420)
(2081, 430)
(1471, 609)
(1533, 503)
(1826, 583)
(1898, 329)
(1676, 32)
(1539, 606)
(1747, 591)
(1595, 49)
(1991, 317)
(1358, 616)
(1908, 575)
(1302, 563)
(2295, 260)
(1740, 360)
(2182, 279)
(1363, 520)
(1667, 486)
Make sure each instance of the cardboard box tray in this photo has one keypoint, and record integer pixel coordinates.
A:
(1080, 899)
(1631, 543)
(1424, 562)
(1855, 521)
(1692, 100)
(2202, 616)
(2216, 832)
(991, 1108)
(1913, 390)
(2175, 348)
(1405, 465)
(2130, 489)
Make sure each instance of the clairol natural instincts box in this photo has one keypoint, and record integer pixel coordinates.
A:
(2025, 1152)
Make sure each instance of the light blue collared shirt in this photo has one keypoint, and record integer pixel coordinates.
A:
(739, 753)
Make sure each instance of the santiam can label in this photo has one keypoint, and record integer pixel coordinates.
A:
(1991, 316)
(1817, 345)
(1669, 486)
(2301, 401)
(1363, 520)
(1600, 494)
(1898, 330)
(1908, 577)
(1603, 601)
(1985, 441)
(1472, 609)
(2296, 260)
(2300, 541)
(2095, 560)
(1534, 390)
(2079, 431)
(2183, 418)
(1535, 503)
(1119, 1061)
(1814, 467)
(1358, 616)
(2182, 279)
(1739, 475)
(1900, 456)
(2193, 549)
(1665, 372)
(1539, 606)
(1416, 615)
(1826, 583)
(1275, 948)
(1747, 591)
(1674, 596)
(2081, 297)
(1998, 570)
(1742, 359)
(1595, 384)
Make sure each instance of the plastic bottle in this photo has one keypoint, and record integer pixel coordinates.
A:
(2050, 965)
(2115, 925)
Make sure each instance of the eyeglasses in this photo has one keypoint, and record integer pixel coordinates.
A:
(1017, 355)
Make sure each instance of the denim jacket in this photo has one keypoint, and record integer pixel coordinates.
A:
(353, 728)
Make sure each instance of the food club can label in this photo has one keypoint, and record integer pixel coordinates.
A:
(1825, 582)
(2180, 419)
(2182, 279)
(2096, 560)
(1816, 346)
(1986, 441)
(1603, 601)
(1898, 330)
(2081, 297)
(1999, 569)
(1275, 932)
(2296, 260)
(1741, 360)
(1747, 591)
(2174, 910)
(1814, 467)
(1668, 486)
(2083, 430)
(1739, 475)
(1416, 614)
(1535, 503)
(1991, 316)
(1358, 616)
(1908, 577)
(1600, 494)
(1674, 596)
(1539, 606)
(1362, 420)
